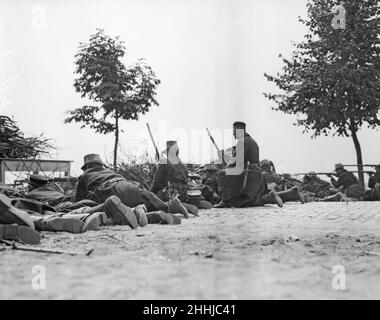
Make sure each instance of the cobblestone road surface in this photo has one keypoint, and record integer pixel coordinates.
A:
(255, 253)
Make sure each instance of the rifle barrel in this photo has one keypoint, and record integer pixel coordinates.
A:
(360, 165)
(154, 143)
(215, 145)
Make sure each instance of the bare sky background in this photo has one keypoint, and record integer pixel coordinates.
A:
(209, 55)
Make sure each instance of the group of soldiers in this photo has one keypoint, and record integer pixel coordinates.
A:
(104, 197)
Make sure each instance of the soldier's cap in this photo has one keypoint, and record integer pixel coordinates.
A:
(239, 125)
(339, 166)
(265, 163)
(37, 179)
(210, 167)
(92, 158)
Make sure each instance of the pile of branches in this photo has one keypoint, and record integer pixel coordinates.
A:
(142, 172)
(13, 144)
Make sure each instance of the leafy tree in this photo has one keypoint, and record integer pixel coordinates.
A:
(119, 92)
(332, 81)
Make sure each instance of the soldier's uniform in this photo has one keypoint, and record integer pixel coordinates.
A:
(347, 183)
(40, 191)
(315, 187)
(98, 183)
(210, 184)
(273, 180)
(374, 185)
(171, 178)
(231, 181)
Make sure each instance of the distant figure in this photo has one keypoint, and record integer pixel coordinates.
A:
(316, 187)
(347, 183)
(40, 191)
(374, 185)
(346, 188)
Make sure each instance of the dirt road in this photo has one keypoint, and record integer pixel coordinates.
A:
(256, 253)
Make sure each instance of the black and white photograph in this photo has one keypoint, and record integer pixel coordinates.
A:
(188, 150)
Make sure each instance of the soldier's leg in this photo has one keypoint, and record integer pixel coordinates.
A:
(176, 206)
(271, 198)
(73, 223)
(221, 180)
(116, 210)
(22, 233)
(337, 197)
(160, 217)
(9, 214)
(292, 194)
(191, 208)
(152, 202)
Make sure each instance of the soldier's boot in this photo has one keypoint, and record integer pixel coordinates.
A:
(21, 233)
(73, 223)
(160, 217)
(140, 212)
(117, 211)
(155, 201)
(191, 208)
(204, 204)
(292, 194)
(220, 205)
(271, 198)
(339, 196)
(176, 206)
(12, 215)
(92, 221)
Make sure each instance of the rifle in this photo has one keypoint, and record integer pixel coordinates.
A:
(360, 165)
(154, 143)
(246, 176)
(315, 173)
(328, 173)
(41, 250)
(215, 145)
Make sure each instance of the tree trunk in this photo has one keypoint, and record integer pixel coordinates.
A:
(116, 141)
(359, 157)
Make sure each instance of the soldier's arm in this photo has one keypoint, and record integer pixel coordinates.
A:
(81, 191)
(336, 183)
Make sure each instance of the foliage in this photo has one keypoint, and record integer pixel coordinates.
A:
(332, 80)
(334, 75)
(117, 91)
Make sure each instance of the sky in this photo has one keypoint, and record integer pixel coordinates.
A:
(210, 56)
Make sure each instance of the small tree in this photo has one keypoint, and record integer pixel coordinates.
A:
(332, 81)
(119, 92)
